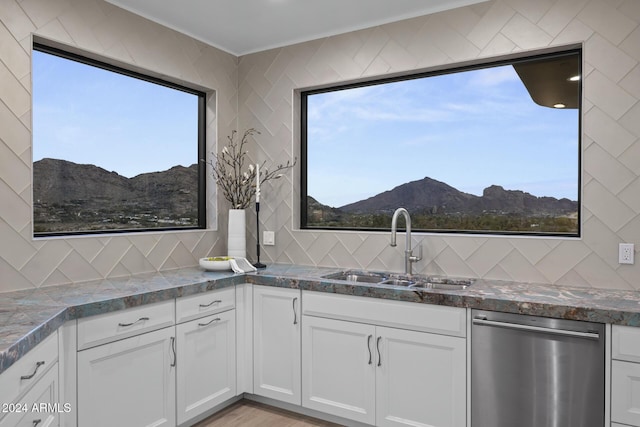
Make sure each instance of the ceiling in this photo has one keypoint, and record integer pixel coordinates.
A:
(241, 27)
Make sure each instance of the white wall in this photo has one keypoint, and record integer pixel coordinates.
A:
(258, 92)
(610, 32)
(96, 27)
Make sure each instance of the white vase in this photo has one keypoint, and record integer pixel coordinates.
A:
(236, 237)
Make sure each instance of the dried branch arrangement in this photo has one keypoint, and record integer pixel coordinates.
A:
(236, 179)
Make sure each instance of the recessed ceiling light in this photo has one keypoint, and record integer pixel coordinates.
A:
(559, 105)
(574, 78)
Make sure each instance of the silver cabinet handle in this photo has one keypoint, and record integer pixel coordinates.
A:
(295, 315)
(378, 348)
(210, 304)
(173, 349)
(142, 319)
(36, 422)
(369, 348)
(28, 377)
(217, 319)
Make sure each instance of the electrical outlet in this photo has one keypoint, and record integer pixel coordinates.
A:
(625, 253)
(268, 238)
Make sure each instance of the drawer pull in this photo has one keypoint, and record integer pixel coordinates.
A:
(210, 304)
(36, 422)
(217, 319)
(133, 323)
(28, 377)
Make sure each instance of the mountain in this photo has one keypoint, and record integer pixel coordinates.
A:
(66, 192)
(431, 196)
(414, 196)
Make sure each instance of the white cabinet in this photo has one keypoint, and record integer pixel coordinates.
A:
(206, 371)
(130, 382)
(383, 375)
(136, 367)
(339, 366)
(29, 388)
(420, 379)
(276, 345)
(39, 407)
(625, 375)
(23, 374)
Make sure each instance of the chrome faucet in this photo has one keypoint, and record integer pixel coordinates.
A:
(408, 252)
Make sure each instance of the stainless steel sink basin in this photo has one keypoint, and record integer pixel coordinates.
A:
(417, 283)
(444, 283)
(398, 282)
(357, 276)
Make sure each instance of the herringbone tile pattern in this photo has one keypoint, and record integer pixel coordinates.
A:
(97, 27)
(259, 90)
(610, 34)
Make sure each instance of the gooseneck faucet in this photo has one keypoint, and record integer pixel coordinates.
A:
(408, 252)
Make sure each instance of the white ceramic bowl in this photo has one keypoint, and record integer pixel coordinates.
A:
(218, 263)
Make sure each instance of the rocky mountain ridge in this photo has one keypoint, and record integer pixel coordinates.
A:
(439, 198)
(89, 196)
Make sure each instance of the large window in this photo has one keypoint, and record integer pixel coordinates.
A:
(113, 150)
(477, 149)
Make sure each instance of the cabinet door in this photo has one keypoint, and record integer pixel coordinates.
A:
(129, 382)
(206, 371)
(40, 406)
(276, 345)
(625, 392)
(338, 360)
(420, 379)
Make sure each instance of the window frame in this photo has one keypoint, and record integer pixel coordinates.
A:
(437, 71)
(201, 141)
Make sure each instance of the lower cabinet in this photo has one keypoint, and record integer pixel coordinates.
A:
(206, 371)
(339, 368)
(40, 406)
(381, 375)
(420, 379)
(29, 389)
(625, 375)
(276, 343)
(130, 382)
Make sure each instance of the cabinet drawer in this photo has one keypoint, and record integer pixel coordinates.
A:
(40, 406)
(108, 327)
(26, 372)
(397, 314)
(200, 305)
(625, 392)
(625, 341)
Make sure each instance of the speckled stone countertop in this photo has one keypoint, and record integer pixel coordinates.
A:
(27, 317)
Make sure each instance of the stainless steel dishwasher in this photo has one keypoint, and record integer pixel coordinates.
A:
(529, 371)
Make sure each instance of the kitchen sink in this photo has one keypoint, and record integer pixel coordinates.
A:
(418, 283)
(398, 282)
(357, 276)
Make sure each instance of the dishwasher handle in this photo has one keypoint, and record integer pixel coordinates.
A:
(482, 321)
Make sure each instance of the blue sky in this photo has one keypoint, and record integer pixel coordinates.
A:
(91, 116)
(469, 130)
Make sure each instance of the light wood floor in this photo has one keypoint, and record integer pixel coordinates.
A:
(246, 413)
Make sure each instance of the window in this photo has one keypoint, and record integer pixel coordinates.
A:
(492, 148)
(113, 150)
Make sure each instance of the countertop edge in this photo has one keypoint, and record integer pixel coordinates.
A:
(566, 303)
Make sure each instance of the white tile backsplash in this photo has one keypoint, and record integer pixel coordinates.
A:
(257, 91)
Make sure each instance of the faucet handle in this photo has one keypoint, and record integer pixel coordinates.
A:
(414, 258)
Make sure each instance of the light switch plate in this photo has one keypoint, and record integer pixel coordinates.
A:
(268, 238)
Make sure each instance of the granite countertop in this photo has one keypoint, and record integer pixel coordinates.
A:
(29, 316)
